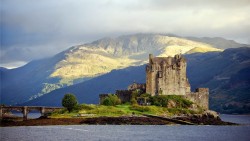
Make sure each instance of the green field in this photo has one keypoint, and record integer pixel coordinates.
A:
(91, 110)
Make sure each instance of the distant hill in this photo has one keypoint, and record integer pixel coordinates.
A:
(218, 42)
(225, 73)
(18, 85)
(88, 91)
(2, 69)
(83, 62)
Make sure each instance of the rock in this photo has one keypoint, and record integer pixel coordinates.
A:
(171, 104)
(211, 113)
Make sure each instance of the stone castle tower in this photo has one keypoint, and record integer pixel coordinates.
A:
(167, 76)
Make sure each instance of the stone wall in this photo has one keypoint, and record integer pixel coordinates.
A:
(137, 86)
(124, 95)
(200, 97)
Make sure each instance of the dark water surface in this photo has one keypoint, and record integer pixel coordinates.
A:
(131, 132)
(240, 119)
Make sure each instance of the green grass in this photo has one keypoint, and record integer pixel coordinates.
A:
(120, 110)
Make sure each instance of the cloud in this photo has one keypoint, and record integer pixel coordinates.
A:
(38, 29)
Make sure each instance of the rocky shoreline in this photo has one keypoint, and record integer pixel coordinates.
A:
(204, 119)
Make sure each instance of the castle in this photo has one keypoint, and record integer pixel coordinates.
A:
(166, 76)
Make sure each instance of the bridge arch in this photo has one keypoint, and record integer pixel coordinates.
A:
(26, 109)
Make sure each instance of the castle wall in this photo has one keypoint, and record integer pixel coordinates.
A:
(166, 76)
(137, 86)
(200, 97)
(124, 95)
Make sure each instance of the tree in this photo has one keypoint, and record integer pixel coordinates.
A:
(69, 101)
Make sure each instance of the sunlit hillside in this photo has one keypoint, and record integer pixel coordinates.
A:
(104, 55)
(86, 62)
(83, 62)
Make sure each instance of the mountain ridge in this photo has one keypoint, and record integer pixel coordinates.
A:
(83, 62)
(228, 95)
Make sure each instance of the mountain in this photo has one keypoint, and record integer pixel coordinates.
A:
(88, 91)
(18, 85)
(84, 62)
(2, 69)
(218, 42)
(225, 73)
(106, 54)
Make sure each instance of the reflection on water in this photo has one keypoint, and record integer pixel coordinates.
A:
(131, 132)
(127, 133)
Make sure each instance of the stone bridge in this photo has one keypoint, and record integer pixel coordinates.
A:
(26, 109)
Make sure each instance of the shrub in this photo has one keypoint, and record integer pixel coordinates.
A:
(111, 100)
(133, 101)
(69, 101)
(159, 100)
(145, 95)
(107, 101)
(162, 100)
(135, 94)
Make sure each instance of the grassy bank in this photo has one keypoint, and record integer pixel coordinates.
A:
(91, 110)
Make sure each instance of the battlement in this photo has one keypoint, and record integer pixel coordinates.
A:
(158, 63)
(137, 86)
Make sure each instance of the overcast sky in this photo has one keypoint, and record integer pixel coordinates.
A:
(34, 29)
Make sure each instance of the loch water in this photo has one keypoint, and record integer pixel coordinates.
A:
(132, 132)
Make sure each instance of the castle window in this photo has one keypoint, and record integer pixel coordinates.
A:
(151, 67)
(160, 74)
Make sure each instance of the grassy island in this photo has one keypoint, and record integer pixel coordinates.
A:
(164, 110)
(92, 110)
